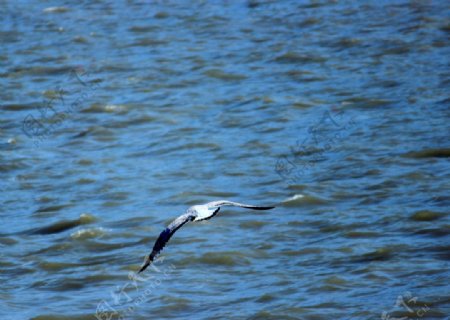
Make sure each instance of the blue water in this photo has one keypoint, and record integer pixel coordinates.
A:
(116, 117)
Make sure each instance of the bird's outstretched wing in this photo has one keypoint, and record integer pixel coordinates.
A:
(165, 236)
(235, 204)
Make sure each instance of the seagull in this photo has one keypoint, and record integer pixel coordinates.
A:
(194, 213)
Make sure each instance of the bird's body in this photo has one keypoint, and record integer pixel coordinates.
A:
(194, 213)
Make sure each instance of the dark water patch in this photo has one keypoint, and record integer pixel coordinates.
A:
(262, 182)
(266, 246)
(116, 196)
(106, 260)
(188, 147)
(41, 70)
(363, 102)
(442, 201)
(344, 43)
(9, 36)
(303, 104)
(80, 40)
(148, 42)
(266, 298)
(53, 250)
(7, 241)
(329, 227)
(434, 232)
(97, 132)
(129, 223)
(19, 271)
(57, 59)
(73, 284)
(415, 176)
(175, 300)
(428, 153)
(362, 234)
(137, 121)
(9, 166)
(116, 68)
(296, 223)
(381, 254)
(54, 208)
(440, 251)
(18, 107)
(299, 187)
(222, 75)
(426, 215)
(316, 4)
(324, 288)
(305, 78)
(308, 22)
(63, 225)
(85, 162)
(446, 28)
(396, 49)
(337, 281)
(144, 29)
(387, 184)
(374, 277)
(389, 83)
(112, 204)
(83, 181)
(57, 266)
(297, 58)
(95, 245)
(418, 312)
(306, 151)
(161, 15)
(301, 252)
(6, 264)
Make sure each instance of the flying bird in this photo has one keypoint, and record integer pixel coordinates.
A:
(194, 213)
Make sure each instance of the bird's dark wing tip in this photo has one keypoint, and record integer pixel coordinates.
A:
(261, 208)
(147, 262)
(143, 268)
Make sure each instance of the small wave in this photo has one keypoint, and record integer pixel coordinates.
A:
(55, 10)
(300, 199)
(108, 108)
(63, 225)
(88, 233)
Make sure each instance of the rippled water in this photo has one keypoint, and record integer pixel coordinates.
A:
(117, 116)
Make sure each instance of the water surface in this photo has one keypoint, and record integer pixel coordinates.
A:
(116, 117)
